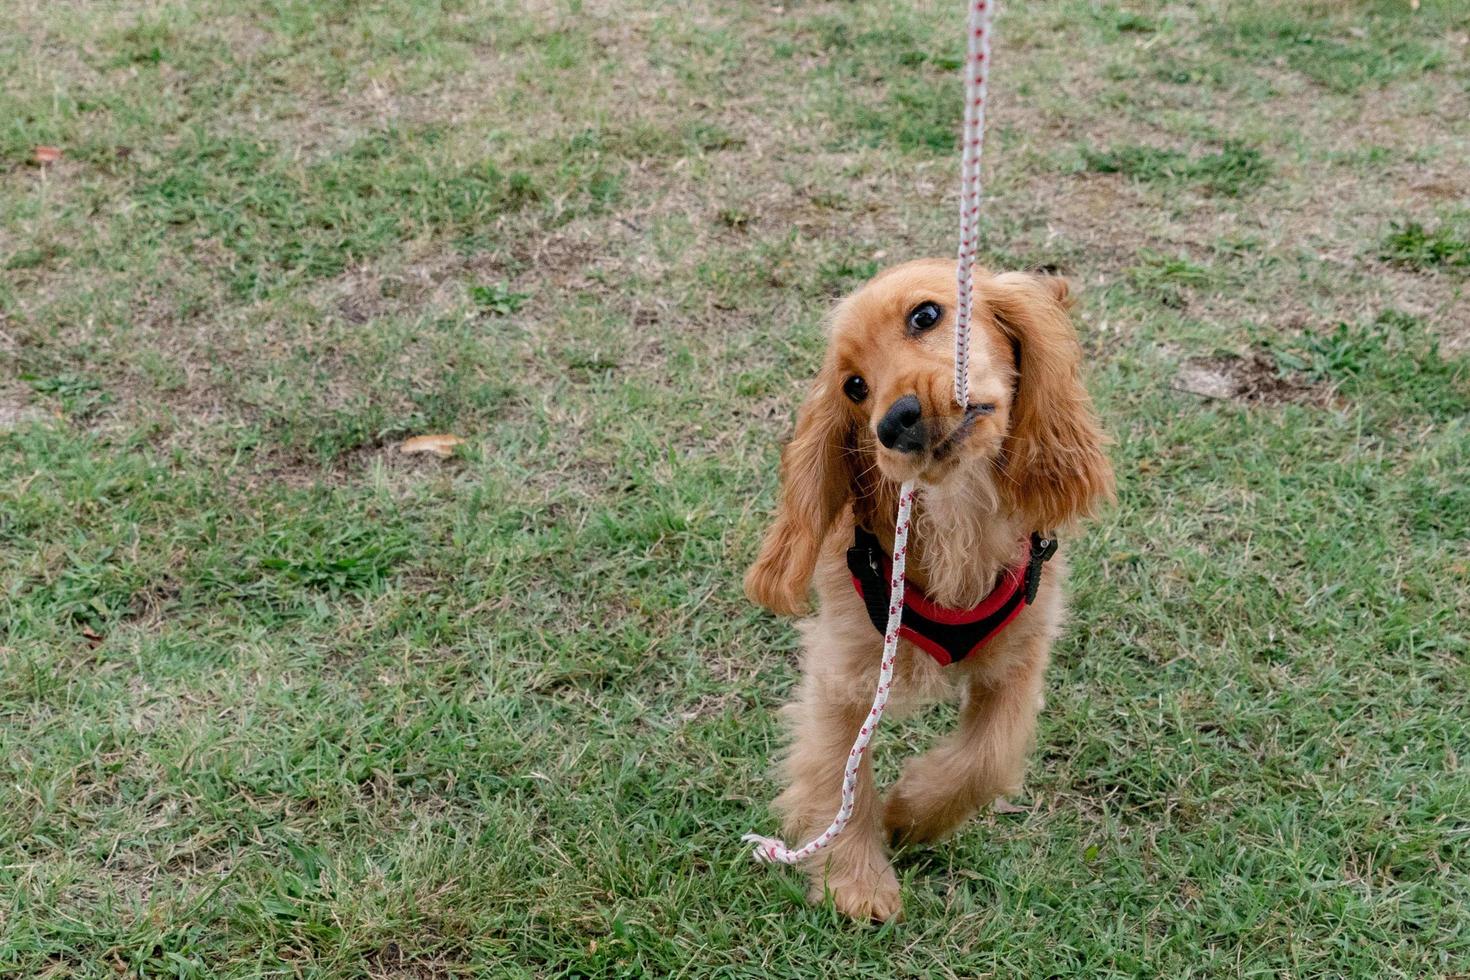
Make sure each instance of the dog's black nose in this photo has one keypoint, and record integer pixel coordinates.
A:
(903, 427)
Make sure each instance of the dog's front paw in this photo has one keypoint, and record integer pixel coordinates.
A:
(870, 895)
(910, 821)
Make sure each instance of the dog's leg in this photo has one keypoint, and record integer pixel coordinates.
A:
(825, 718)
(984, 758)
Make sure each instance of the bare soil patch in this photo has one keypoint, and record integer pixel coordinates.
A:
(15, 411)
(1252, 378)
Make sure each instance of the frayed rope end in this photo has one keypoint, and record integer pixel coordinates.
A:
(768, 850)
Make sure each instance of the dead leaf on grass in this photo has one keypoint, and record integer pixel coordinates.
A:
(46, 155)
(441, 445)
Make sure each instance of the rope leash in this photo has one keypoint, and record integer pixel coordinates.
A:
(977, 71)
(977, 63)
(773, 849)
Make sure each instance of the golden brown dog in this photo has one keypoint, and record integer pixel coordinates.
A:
(1025, 455)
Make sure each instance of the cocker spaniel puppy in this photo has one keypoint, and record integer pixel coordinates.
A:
(998, 478)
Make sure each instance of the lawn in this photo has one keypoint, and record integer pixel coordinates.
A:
(278, 700)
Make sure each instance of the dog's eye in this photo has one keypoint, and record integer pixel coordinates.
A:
(924, 316)
(855, 388)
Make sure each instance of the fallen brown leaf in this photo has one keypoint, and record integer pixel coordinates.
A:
(441, 445)
(46, 155)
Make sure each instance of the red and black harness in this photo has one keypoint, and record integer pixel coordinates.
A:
(947, 635)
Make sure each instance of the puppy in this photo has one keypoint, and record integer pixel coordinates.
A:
(999, 476)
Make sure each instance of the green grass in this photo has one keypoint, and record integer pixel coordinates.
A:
(1166, 279)
(327, 215)
(498, 298)
(1232, 171)
(1342, 47)
(1413, 245)
(1393, 360)
(280, 701)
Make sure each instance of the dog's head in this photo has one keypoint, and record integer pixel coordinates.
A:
(882, 411)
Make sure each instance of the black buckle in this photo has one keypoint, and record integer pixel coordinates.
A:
(863, 563)
(862, 557)
(1041, 550)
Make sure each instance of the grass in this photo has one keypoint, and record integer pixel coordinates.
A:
(1339, 47)
(1411, 244)
(280, 701)
(1232, 171)
(1393, 357)
(498, 298)
(1167, 279)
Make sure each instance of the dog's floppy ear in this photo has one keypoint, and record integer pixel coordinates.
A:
(816, 480)
(1055, 468)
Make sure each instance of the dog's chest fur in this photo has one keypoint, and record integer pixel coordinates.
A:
(962, 540)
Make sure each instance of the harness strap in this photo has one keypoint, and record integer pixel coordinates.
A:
(947, 635)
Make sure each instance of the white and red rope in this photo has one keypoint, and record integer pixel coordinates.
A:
(977, 69)
(977, 65)
(772, 849)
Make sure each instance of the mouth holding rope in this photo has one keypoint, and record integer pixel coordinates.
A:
(966, 424)
(903, 429)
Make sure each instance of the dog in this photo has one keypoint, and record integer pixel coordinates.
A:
(997, 477)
